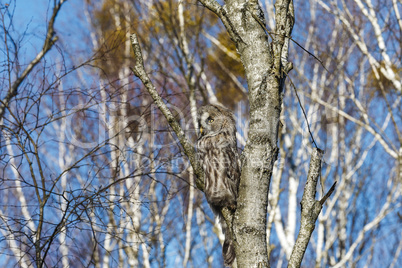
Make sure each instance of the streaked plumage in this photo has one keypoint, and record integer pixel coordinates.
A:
(217, 152)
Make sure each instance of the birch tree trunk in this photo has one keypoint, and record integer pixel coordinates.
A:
(265, 72)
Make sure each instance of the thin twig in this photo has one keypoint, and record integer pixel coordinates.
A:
(47, 45)
(328, 194)
(294, 41)
(139, 71)
(304, 112)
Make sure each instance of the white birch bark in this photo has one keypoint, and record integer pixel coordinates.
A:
(190, 212)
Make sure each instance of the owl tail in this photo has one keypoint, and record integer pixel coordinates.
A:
(228, 252)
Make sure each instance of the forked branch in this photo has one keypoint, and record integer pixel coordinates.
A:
(310, 209)
(50, 40)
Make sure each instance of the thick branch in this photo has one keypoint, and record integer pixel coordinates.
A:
(49, 42)
(139, 71)
(310, 209)
(221, 13)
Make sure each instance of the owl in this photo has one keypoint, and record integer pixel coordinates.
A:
(218, 156)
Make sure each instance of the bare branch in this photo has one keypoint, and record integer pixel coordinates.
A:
(310, 209)
(49, 42)
(221, 46)
(221, 13)
(328, 194)
(304, 112)
(270, 33)
(139, 71)
(378, 136)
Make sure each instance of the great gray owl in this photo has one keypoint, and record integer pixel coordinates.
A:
(218, 156)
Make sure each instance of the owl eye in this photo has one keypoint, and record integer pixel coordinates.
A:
(210, 120)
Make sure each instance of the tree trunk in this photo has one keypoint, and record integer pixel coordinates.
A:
(265, 76)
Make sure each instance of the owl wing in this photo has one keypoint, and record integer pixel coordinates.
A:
(233, 169)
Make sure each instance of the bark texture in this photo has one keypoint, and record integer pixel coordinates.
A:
(265, 66)
(311, 208)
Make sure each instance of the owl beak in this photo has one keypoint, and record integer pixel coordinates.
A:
(201, 129)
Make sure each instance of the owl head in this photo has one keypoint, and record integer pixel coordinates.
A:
(214, 119)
